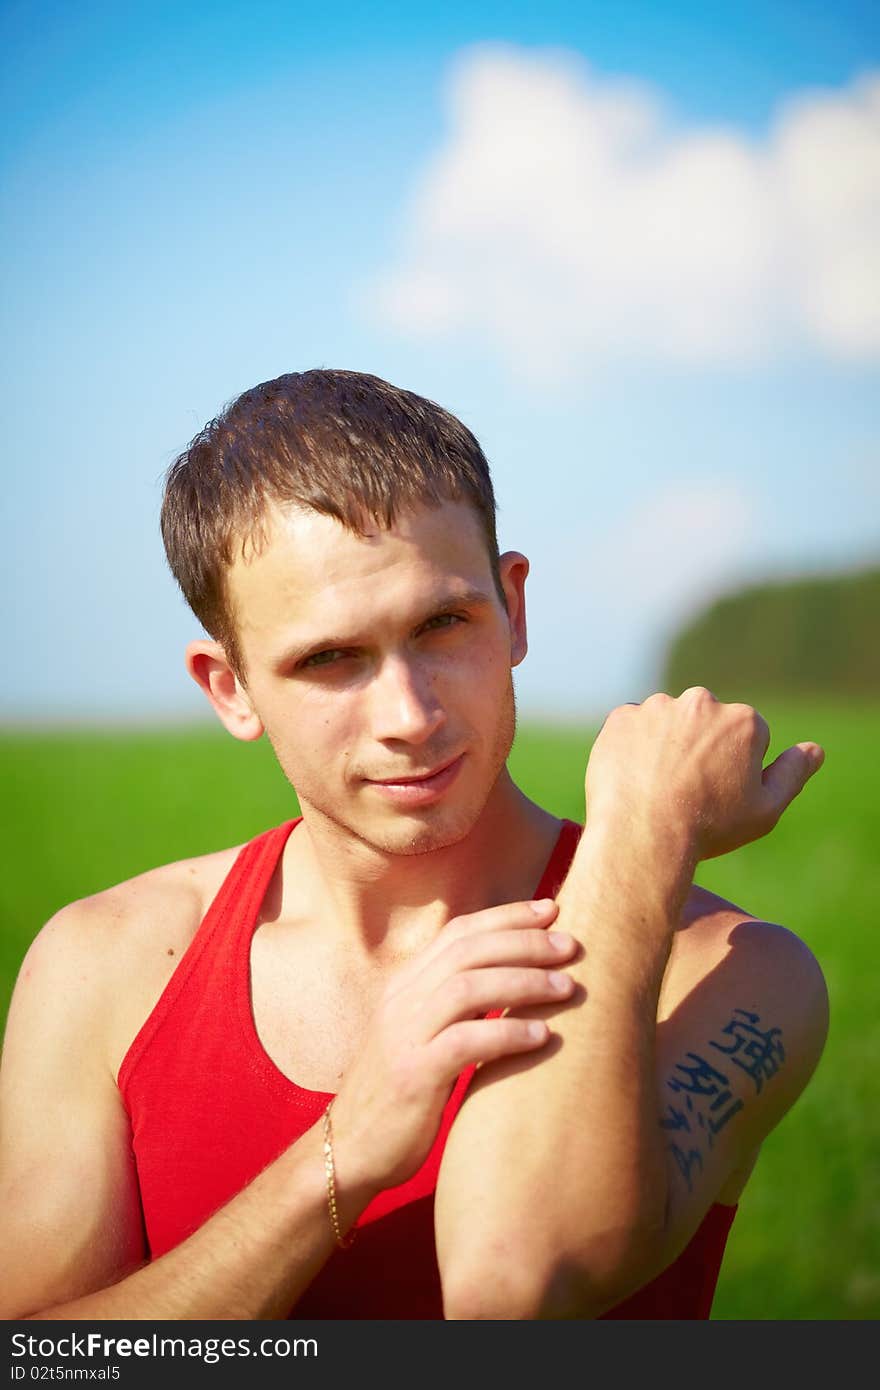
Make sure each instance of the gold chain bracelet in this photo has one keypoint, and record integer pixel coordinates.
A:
(343, 1241)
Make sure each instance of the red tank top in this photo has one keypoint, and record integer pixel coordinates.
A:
(209, 1110)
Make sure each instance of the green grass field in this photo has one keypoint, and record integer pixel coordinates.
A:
(84, 810)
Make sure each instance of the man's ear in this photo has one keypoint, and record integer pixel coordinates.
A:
(209, 667)
(514, 568)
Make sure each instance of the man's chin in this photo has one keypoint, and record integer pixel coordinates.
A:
(407, 835)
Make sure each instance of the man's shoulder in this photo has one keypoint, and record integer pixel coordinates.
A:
(171, 897)
(715, 933)
(111, 953)
(731, 971)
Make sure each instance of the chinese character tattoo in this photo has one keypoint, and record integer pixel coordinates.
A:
(704, 1101)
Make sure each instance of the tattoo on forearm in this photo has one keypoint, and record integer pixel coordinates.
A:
(704, 1101)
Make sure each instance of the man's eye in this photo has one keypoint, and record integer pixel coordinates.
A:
(443, 620)
(328, 658)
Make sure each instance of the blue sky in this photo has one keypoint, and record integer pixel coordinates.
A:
(633, 246)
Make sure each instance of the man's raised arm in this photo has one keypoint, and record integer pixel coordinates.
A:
(560, 1193)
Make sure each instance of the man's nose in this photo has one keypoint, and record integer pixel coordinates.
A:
(404, 703)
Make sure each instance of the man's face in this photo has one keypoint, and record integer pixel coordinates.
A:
(380, 668)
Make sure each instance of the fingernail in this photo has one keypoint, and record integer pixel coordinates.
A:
(542, 905)
(559, 982)
(537, 1030)
(560, 940)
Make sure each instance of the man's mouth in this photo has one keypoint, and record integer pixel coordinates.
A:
(409, 778)
(418, 788)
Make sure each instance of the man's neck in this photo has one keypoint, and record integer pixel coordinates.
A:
(393, 904)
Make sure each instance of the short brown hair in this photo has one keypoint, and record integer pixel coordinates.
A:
(342, 443)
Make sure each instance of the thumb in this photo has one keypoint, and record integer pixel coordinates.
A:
(788, 774)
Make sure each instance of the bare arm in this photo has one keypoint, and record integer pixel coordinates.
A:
(605, 1191)
(71, 1238)
(70, 1220)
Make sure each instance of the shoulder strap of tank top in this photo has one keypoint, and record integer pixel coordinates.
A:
(228, 919)
(558, 864)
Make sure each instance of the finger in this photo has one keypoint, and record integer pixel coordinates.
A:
(613, 716)
(517, 916)
(485, 1040)
(471, 993)
(537, 947)
(761, 734)
(788, 774)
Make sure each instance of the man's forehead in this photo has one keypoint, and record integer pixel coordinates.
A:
(309, 565)
(292, 532)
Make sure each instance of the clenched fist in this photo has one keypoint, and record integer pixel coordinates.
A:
(696, 766)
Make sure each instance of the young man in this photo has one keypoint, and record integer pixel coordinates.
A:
(551, 1058)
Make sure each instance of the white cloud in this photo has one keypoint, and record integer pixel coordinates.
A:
(566, 220)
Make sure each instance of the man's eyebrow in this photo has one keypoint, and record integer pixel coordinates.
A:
(298, 652)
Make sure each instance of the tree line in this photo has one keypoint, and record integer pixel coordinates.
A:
(812, 636)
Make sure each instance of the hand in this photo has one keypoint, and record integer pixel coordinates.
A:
(694, 766)
(429, 1026)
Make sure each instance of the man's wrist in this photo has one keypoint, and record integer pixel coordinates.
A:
(649, 862)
